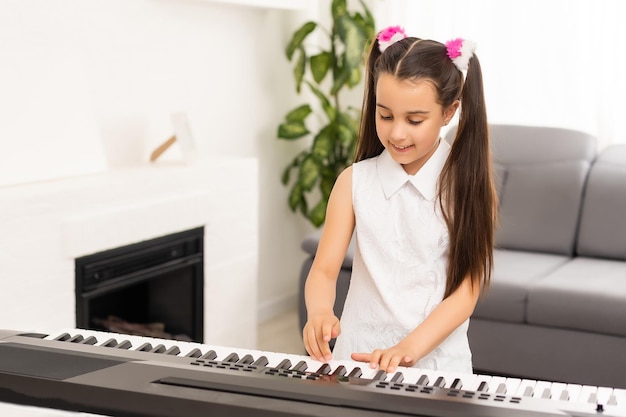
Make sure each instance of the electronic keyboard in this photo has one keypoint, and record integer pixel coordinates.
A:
(122, 375)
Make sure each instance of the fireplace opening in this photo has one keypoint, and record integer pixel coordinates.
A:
(152, 288)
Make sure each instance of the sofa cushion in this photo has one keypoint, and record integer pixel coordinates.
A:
(310, 242)
(585, 294)
(540, 206)
(513, 272)
(602, 226)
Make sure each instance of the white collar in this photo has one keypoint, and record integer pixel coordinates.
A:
(392, 176)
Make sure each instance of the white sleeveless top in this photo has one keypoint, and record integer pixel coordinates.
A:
(399, 265)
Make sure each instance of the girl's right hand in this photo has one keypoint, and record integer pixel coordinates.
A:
(317, 332)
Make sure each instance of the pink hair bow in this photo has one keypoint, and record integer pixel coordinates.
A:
(460, 51)
(389, 36)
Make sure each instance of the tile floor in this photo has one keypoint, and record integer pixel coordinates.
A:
(281, 334)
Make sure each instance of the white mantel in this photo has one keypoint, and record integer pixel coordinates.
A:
(46, 225)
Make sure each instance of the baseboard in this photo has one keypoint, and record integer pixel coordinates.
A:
(277, 306)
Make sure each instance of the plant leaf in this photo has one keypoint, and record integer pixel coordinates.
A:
(299, 113)
(292, 130)
(318, 214)
(323, 143)
(354, 40)
(330, 111)
(320, 64)
(298, 38)
(295, 197)
(299, 68)
(338, 8)
(341, 79)
(309, 173)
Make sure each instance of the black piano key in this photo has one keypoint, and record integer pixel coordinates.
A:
(339, 371)
(440, 382)
(173, 351)
(324, 369)
(398, 377)
(483, 386)
(423, 380)
(158, 349)
(546, 393)
(261, 361)
(146, 347)
(564, 395)
(284, 364)
(124, 344)
(110, 343)
(76, 339)
(501, 388)
(355, 373)
(91, 340)
(300, 366)
(194, 353)
(593, 398)
(210, 355)
(246, 359)
(612, 399)
(380, 375)
(456, 384)
(233, 357)
(528, 392)
(63, 337)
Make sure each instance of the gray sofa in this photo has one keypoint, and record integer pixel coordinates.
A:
(556, 308)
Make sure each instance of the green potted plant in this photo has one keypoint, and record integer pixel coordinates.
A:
(326, 72)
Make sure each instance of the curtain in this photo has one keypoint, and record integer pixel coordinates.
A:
(554, 63)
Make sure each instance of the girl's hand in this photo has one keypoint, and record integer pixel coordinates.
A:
(388, 359)
(317, 332)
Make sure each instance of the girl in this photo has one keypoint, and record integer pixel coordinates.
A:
(423, 214)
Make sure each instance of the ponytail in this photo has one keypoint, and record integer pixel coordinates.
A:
(467, 193)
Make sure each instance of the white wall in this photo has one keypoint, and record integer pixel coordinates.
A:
(126, 66)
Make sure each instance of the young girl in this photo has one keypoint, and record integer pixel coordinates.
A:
(423, 214)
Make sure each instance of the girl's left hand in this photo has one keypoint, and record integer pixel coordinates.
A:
(388, 359)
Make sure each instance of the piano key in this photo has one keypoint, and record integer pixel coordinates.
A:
(511, 385)
(588, 394)
(380, 375)
(497, 385)
(558, 390)
(456, 384)
(146, 347)
(209, 355)
(603, 395)
(246, 359)
(355, 372)
(260, 361)
(284, 364)
(124, 344)
(339, 371)
(526, 388)
(90, 340)
(76, 338)
(324, 369)
(300, 366)
(232, 357)
(573, 391)
(194, 353)
(543, 389)
(172, 351)
(620, 396)
(398, 377)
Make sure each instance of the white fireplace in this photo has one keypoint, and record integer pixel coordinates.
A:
(45, 226)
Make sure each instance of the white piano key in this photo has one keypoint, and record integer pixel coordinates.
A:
(603, 395)
(526, 388)
(543, 390)
(511, 385)
(476, 382)
(556, 389)
(588, 394)
(574, 392)
(620, 396)
(496, 383)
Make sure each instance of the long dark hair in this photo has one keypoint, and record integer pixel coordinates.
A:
(466, 191)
